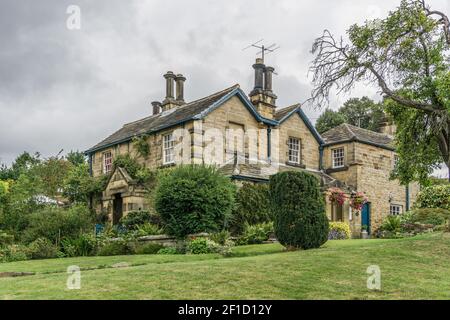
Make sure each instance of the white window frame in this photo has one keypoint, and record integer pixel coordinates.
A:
(168, 148)
(294, 145)
(338, 157)
(395, 209)
(107, 162)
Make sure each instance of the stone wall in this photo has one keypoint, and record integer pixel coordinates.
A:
(295, 127)
(368, 170)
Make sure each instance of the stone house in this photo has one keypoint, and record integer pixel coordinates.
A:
(250, 138)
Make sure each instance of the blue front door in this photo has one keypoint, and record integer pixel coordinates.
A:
(365, 216)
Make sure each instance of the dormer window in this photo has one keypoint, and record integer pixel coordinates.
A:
(338, 158)
(294, 150)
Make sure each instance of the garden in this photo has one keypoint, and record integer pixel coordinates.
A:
(199, 209)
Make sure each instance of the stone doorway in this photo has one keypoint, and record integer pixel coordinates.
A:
(117, 208)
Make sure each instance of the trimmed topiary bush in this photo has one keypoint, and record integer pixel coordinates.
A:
(298, 207)
(339, 231)
(252, 207)
(194, 198)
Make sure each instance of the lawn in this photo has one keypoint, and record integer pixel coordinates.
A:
(413, 268)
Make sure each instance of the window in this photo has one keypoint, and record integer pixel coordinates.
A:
(338, 157)
(337, 212)
(107, 162)
(396, 209)
(169, 152)
(294, 150)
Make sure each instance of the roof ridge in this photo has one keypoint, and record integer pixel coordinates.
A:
(367, 130)
(347, 126)
(292, 105)
(187, 104)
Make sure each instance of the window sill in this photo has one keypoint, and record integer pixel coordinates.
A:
(167, 165)
(331, 170)
(297, 165)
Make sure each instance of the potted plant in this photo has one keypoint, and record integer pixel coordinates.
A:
(364, 232)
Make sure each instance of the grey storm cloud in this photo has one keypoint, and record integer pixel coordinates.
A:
(68, 89)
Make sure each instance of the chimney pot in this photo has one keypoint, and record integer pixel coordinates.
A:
(268, 72)
(180, 79)
(170, 79)
(259, 75)
(156, 107)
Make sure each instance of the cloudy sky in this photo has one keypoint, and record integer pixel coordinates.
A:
(69, 89)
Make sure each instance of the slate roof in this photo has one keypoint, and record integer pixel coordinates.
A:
(346, 132)
(162, 120)
(281, 113)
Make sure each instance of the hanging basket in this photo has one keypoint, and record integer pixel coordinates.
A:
(336, 195)
(357, 201)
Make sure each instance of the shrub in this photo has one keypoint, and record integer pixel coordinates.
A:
(13, 253)
(339, 231)
(434, 216)
(256, 234)
(134, 219)
(148, 229)
(437, 196)
(116, 248)
(299, 210)
(168, 250)
(205, 246)
(42, 248)
(391, 224)
(200, 246)
(220, 237)
(252, 207)
(192, 199)
(57, 223)
(149, 248)
(83, 245)
(5, 239)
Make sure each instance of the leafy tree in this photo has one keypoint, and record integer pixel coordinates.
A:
(406, 55)
(362, 112)
(79, 186)
(76, 158)
(21, 164)
(52, 173)
(328, 120)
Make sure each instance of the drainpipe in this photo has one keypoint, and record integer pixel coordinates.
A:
(269, 146)
(90, 164)
(407, 197)
(321, 157)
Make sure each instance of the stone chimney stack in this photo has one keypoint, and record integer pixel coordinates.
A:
(180, 88)
(156, 107)
(169, 101)
(262, 96)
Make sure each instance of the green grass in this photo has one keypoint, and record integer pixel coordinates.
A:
(413, 268)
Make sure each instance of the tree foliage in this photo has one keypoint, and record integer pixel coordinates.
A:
(328, 120)
(361, 112)
(406, 55)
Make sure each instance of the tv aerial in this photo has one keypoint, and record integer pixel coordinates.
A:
(263, 50)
